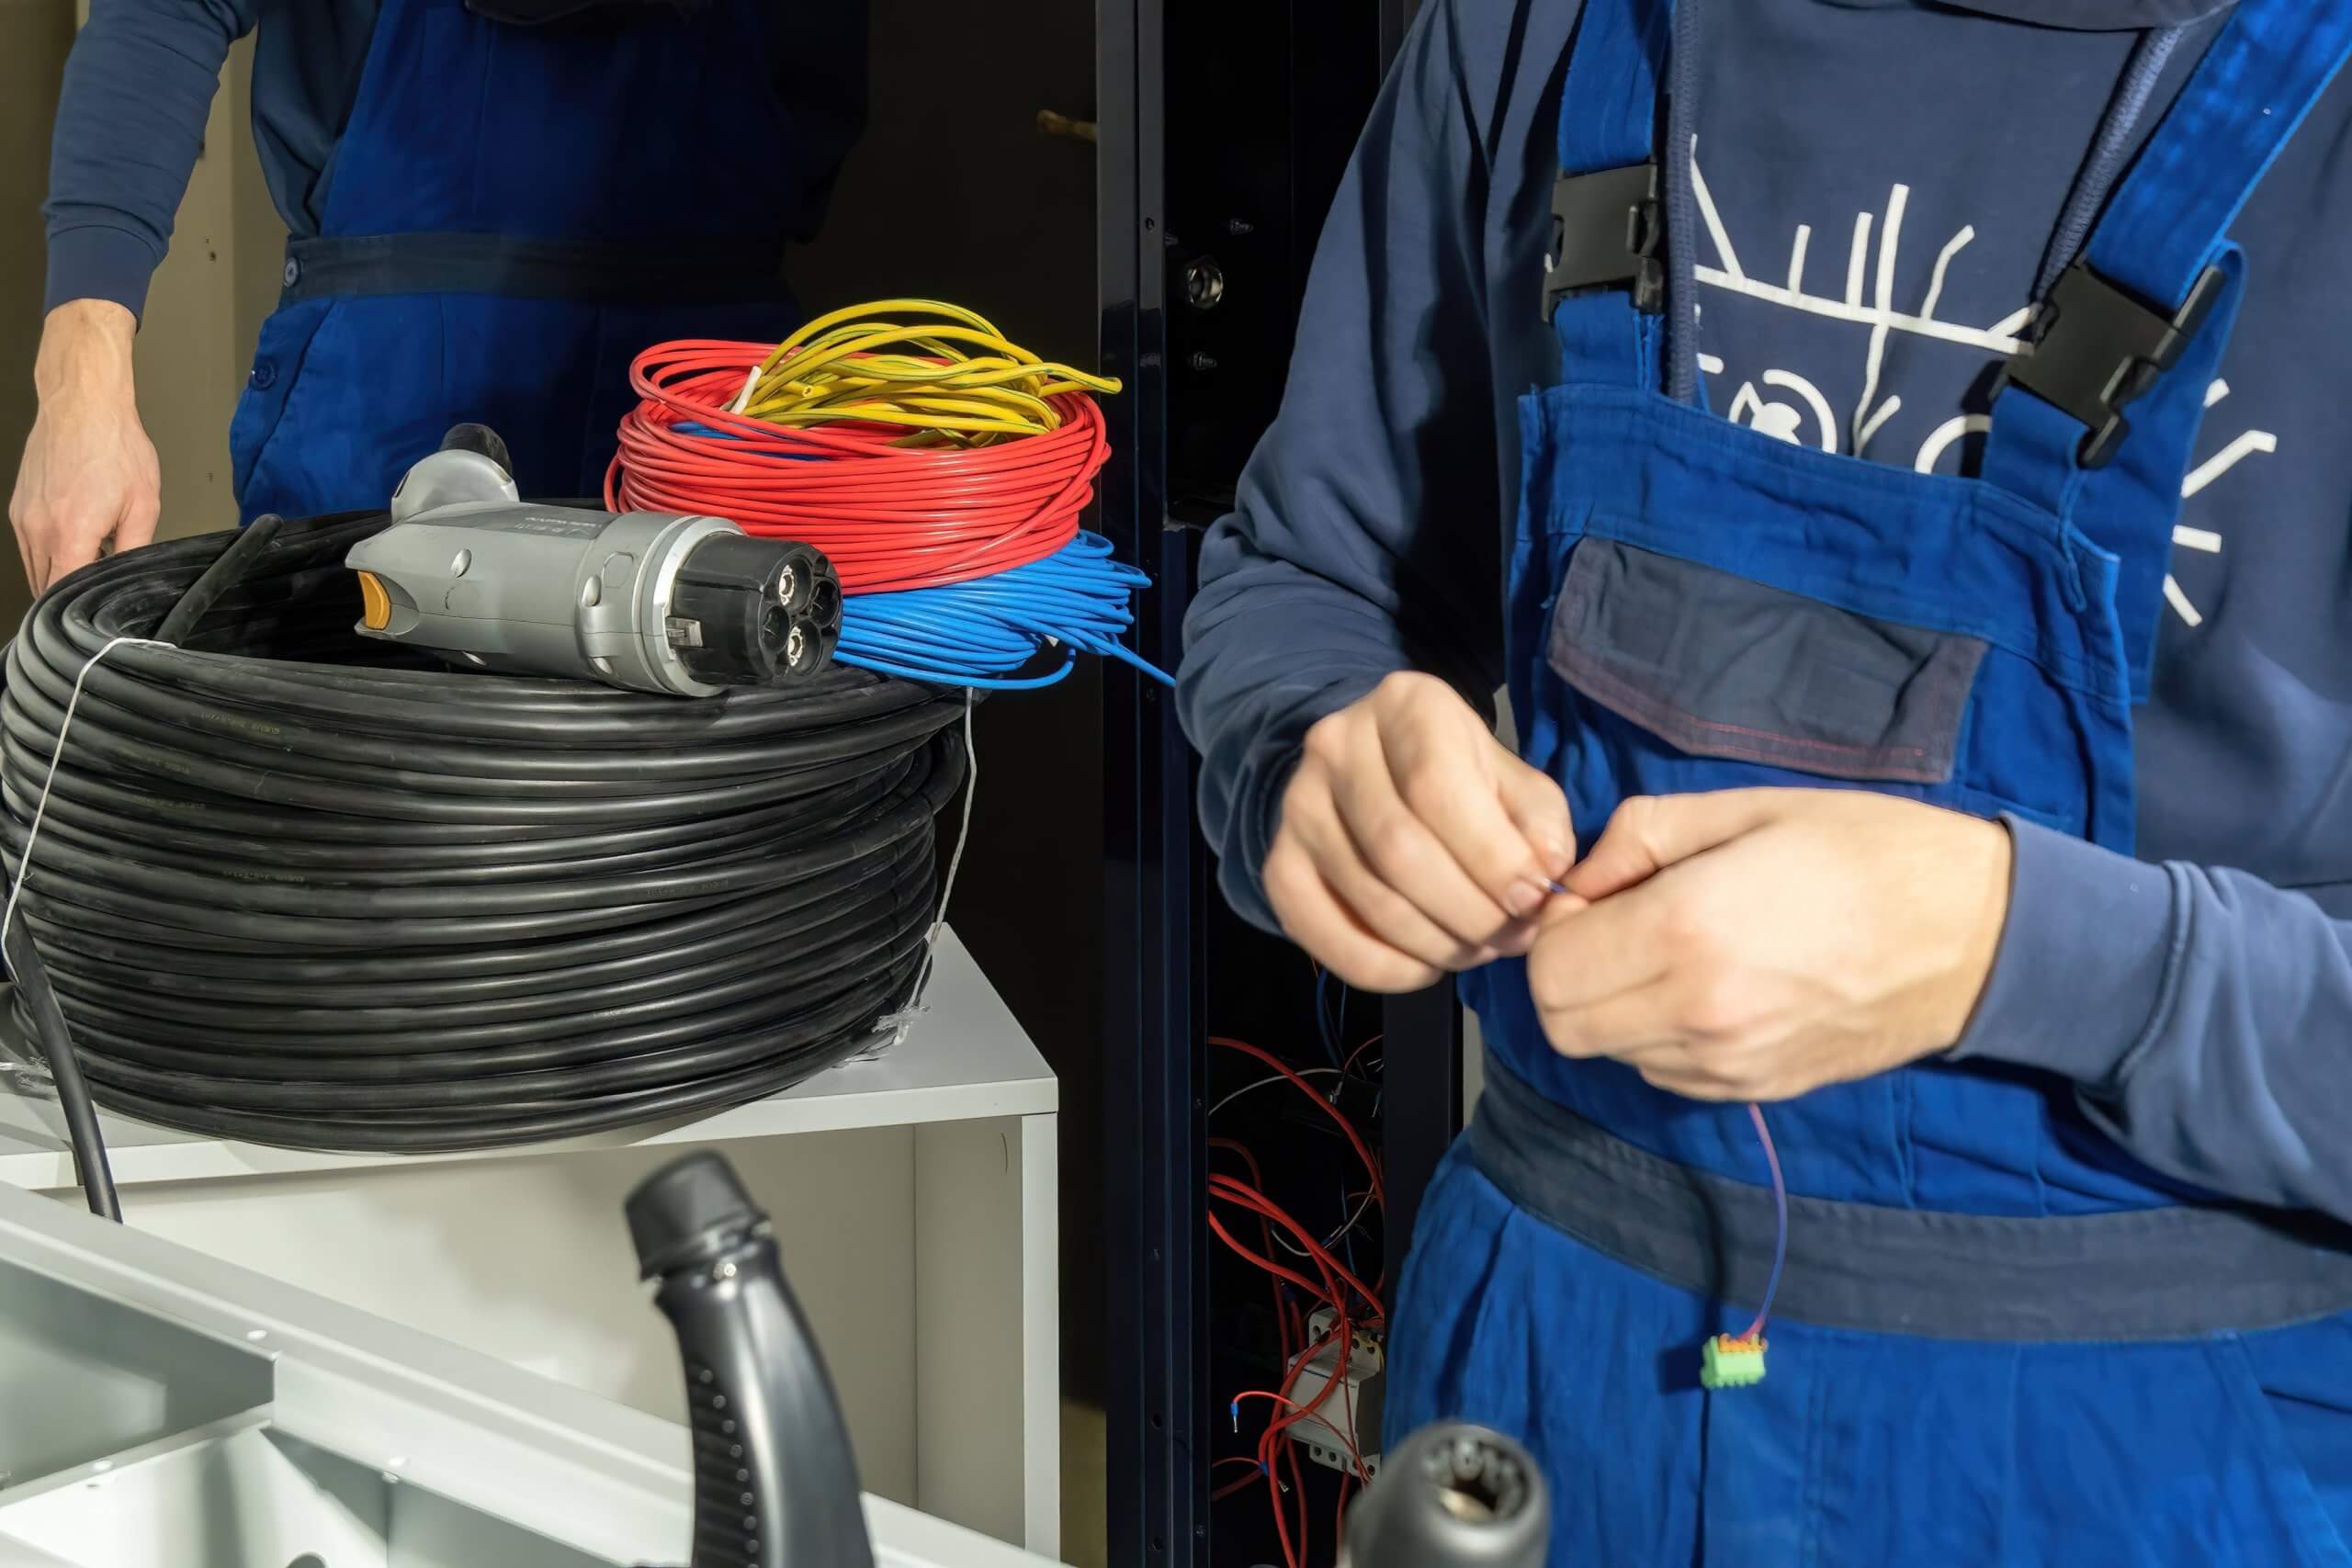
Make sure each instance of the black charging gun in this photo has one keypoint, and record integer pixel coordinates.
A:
(774, 1481)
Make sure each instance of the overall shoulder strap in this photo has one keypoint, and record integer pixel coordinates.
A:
(2140, 323)
(1608, 109)
(1604, 281)
(2172, 214)
(2121, 317)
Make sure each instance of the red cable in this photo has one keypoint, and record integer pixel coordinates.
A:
(1265, 1232)
(1343, 1335)
(1231, 1487)
(1354, 1137)
(1281, 1520)
(1256, 1202)
(1268, 1264)
(1312, 1411)
(1226, 1189)
(1233, 1191)
(1274, 1430)
(889, 517)
(1234, 1146)
(1273, 1468)
(1363, 1152)
(1298, 1490)
(1283, 1311)
(1284, 1314)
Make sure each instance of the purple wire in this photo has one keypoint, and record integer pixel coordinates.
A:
(1781, 1215)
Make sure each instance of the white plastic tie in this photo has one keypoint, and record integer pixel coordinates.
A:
(891, 1031)
(893, 1028)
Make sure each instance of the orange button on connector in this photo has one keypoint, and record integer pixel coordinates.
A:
(376, 605)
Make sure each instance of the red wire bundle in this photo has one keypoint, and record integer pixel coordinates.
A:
(889, 517)
(1340, 1289)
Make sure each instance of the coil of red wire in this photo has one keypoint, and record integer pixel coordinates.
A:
(915, 453)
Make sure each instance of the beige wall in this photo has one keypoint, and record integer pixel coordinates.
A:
(33, 39)
(208, 296)
(260, 237)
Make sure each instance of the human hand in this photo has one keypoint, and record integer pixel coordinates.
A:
(1412, 842)
(1755, 944)
(89, 472)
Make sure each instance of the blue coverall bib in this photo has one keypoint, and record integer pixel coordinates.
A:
(1695, 605)
(511, 214)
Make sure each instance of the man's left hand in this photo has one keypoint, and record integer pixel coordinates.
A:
(1755, 944)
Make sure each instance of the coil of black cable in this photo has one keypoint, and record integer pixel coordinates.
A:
(296, 887)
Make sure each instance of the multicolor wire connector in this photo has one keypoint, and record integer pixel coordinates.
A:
(1736, 1361)
(1732, 1363)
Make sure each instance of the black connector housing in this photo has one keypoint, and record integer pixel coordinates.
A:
(750, 612)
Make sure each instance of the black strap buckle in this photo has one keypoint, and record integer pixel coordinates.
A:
(1607, 229)
(2097, 349)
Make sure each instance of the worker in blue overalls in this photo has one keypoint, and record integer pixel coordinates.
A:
(1918, 436)
(493, 205)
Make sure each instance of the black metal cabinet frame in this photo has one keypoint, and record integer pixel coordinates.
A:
(1156, 873)
(1152, 873)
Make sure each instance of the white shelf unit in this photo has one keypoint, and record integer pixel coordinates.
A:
(914, 1197)
(172, 1409)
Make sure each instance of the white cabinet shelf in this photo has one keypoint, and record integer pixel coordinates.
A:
(914, 1196)
(171, 1408)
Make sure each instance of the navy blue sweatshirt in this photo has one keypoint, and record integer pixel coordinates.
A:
(139, 83)
(1863, 164)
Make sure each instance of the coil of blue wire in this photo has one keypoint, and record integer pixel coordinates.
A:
(990, 633)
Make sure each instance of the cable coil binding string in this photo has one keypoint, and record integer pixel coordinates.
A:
(290, 892)
(942, 470)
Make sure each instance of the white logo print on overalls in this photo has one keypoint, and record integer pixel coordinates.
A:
(1803, 415)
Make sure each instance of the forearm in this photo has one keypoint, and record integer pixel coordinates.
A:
(1275, 648)
(130, 126)
(1365, 537)
(89, 472)
(2206, 1016)
(85, 351)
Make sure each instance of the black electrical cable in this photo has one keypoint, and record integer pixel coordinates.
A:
(296, 887)
(227, 568)
(38, 1000)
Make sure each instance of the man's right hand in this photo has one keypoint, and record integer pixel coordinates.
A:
(89, 473)
(1412, 842)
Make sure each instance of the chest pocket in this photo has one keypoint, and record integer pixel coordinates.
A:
(1718, 666)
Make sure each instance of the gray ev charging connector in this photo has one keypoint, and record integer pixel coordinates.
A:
(1453, 1495)
(647, 600)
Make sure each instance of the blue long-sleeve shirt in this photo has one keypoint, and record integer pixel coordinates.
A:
(139, 82)
(1862, 162)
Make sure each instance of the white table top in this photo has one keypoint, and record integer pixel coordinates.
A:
(965, 1058)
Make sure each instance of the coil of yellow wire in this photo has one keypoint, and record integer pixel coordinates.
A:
(951, 380)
